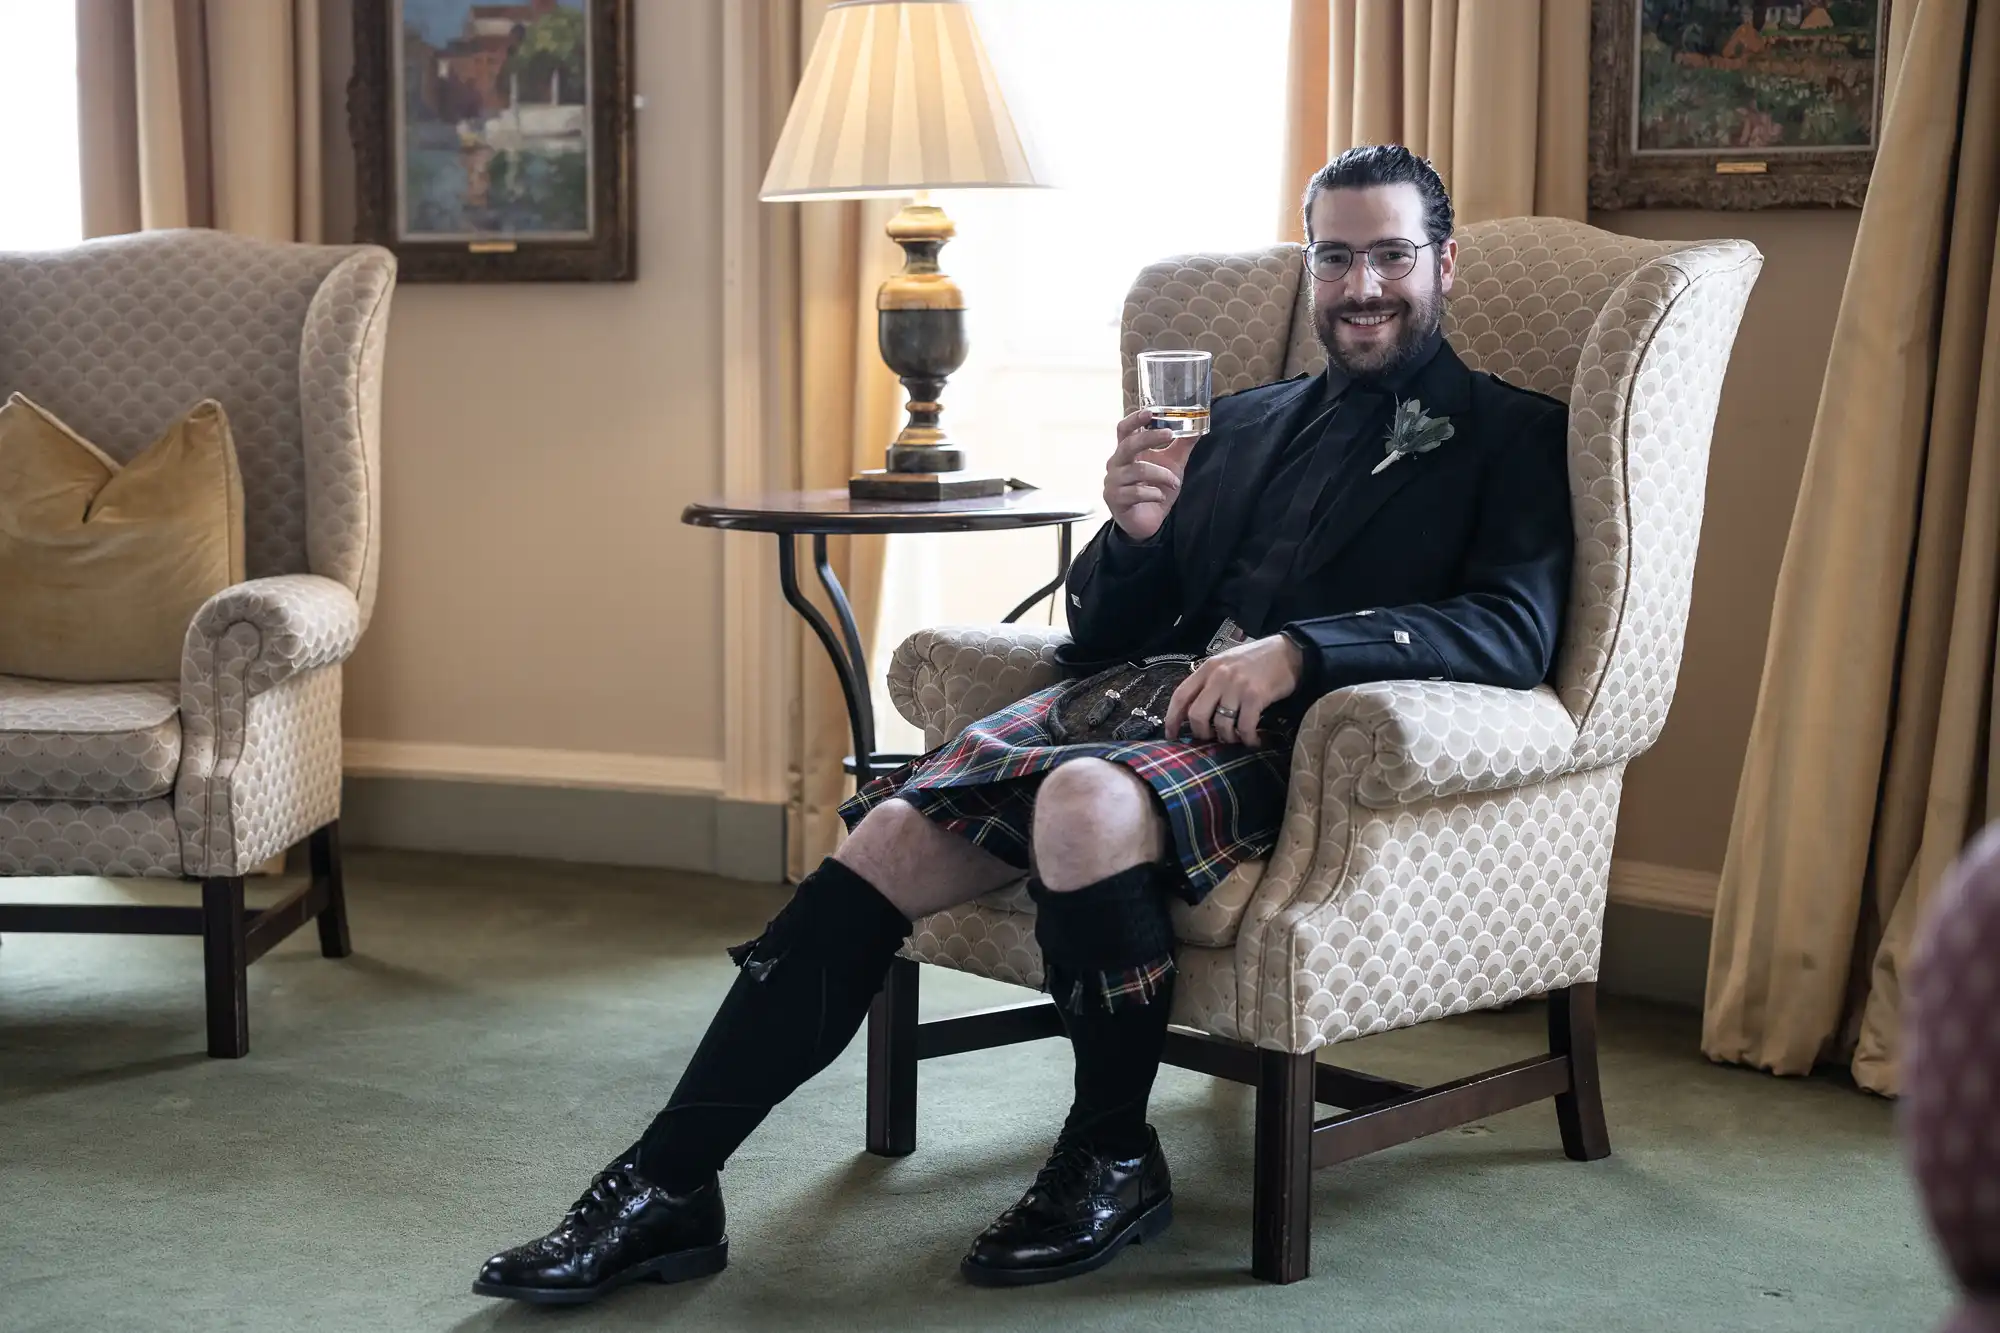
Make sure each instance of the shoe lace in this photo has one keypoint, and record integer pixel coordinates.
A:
(1072, 1162)
(607, 1191)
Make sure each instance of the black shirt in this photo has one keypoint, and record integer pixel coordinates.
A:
(1291, 498)
(1337, 446)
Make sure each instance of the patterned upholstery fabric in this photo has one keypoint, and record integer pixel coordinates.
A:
(340, 391)
(260, 696)
(1641, 414)
(1238, 308)
(65, 742)
(1446, 847)
(1367, 920)
(1951, 1077)
(118, 337)
(127, 838)
(947, 678)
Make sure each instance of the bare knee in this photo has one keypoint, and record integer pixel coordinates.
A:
(893, 822)
(886, 843)
(1093, 818)
(916, 865)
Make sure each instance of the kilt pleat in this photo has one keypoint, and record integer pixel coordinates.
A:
(1223, 803)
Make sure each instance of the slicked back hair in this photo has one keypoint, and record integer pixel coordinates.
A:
(1375, 164)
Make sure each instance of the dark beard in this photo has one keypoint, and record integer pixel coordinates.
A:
(1424, 317)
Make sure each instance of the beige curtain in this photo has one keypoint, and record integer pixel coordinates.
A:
(200, 113)
(1496, 93)
(1869, 762)
(845, 410)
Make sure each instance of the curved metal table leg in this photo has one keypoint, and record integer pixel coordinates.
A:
(849, 663)
(1062, 572)
(864, 724)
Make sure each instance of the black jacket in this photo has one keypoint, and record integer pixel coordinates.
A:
(1447, 565)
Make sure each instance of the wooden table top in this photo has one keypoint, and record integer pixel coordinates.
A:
(833, 511)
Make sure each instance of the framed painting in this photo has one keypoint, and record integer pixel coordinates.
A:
(1734, 103)
(493, 142)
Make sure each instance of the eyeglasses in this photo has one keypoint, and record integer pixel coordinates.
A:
(1391, 259)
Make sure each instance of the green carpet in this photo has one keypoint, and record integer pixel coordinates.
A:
(505, 1027)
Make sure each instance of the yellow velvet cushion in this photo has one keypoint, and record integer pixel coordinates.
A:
(102, 567)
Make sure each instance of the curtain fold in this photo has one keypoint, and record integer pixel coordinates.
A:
(1496, 94)
(1869, 762)
(846, 403)
(200, 113)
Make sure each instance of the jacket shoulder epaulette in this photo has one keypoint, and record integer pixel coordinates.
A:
(1260, 388)
(1520, 391)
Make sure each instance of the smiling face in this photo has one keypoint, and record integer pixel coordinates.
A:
(1371, 326)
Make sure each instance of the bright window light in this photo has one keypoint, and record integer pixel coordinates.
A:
(1162, 124)
(42, 204)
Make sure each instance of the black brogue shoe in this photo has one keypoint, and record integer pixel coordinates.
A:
(623, 1229)
(1084, 1207)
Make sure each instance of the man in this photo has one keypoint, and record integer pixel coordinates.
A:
(1394, 517)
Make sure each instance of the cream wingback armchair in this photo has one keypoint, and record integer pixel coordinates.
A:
(207, 777)
(1446, 846)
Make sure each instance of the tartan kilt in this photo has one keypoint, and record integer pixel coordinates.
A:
(1223, 803)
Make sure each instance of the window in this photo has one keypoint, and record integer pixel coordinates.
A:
(42, 204)
(1161, 122)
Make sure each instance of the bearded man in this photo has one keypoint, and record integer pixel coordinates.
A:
(1394, 517)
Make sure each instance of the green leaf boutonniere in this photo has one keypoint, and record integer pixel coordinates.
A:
(1411, 431)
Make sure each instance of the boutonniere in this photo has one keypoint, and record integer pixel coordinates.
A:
(1412, 431)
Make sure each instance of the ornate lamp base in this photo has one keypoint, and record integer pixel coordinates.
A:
(920, 329)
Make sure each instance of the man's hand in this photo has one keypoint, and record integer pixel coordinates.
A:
(1143, 478)
(1227, 695)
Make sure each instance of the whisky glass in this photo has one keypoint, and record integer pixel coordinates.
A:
(1176, 387)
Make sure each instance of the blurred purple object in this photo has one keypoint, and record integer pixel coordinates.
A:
(1951, 1077)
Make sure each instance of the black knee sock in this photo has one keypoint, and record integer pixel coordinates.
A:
(1108, 951)
(1117, 1054)
(804, 987)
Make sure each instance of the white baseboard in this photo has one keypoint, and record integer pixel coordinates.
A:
(524, 766)
(1663, 888)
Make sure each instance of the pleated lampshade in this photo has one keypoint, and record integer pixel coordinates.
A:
(898, 96)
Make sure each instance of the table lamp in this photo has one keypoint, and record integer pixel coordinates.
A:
(898, 99)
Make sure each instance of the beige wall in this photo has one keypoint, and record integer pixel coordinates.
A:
(1680, 795)
(539, 440)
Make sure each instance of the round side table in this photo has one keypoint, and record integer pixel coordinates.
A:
(821, 514)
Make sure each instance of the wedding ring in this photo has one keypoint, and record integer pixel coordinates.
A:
(1228, 714)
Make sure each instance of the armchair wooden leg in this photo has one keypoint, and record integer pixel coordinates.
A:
(892, 1064)
(1281, 1199)
(226, 959)
(324, 847)
(1580, 1111)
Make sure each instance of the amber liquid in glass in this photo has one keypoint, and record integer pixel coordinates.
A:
(1182, 421)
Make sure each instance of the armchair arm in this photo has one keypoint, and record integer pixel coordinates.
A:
(276, 628)
(1394, 743)
(1394, 747)
(260, 719)
(945, 678)
(1439, 738)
